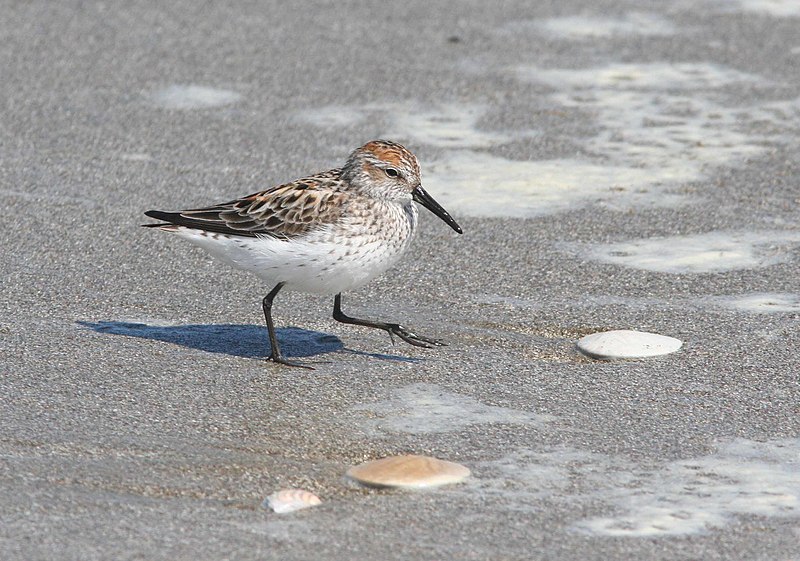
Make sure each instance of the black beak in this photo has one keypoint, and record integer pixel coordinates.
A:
(422, 197)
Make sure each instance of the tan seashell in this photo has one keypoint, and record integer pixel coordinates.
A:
(410, 472)
(289, 500)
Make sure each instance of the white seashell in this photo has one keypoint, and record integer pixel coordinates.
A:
(409, 472)
(624, 343)
(289, 500)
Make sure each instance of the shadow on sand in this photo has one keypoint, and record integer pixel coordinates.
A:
(246, 341)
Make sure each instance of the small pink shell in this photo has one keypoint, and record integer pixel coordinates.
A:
(289, 500)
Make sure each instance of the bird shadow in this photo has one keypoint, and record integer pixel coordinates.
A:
(245, 341)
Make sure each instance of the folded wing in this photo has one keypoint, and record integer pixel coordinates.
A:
(285, 211)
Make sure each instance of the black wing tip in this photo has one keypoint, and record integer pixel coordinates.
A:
(160, 215)
(176, 219)
(168, 218)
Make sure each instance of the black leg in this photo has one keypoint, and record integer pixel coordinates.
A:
(275, 354)
(390, 328)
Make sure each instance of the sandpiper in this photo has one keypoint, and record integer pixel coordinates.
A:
(324, 234)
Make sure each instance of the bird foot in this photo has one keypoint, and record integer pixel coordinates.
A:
(280, 360)
(412, 338)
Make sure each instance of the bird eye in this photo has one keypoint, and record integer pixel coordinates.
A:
(391, 172)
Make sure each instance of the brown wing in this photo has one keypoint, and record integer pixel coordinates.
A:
(284, 211)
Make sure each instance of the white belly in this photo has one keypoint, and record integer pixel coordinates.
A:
(327, 261)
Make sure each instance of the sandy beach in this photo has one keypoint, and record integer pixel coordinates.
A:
(614, 165)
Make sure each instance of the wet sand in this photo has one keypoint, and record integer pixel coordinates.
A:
(613, 167)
